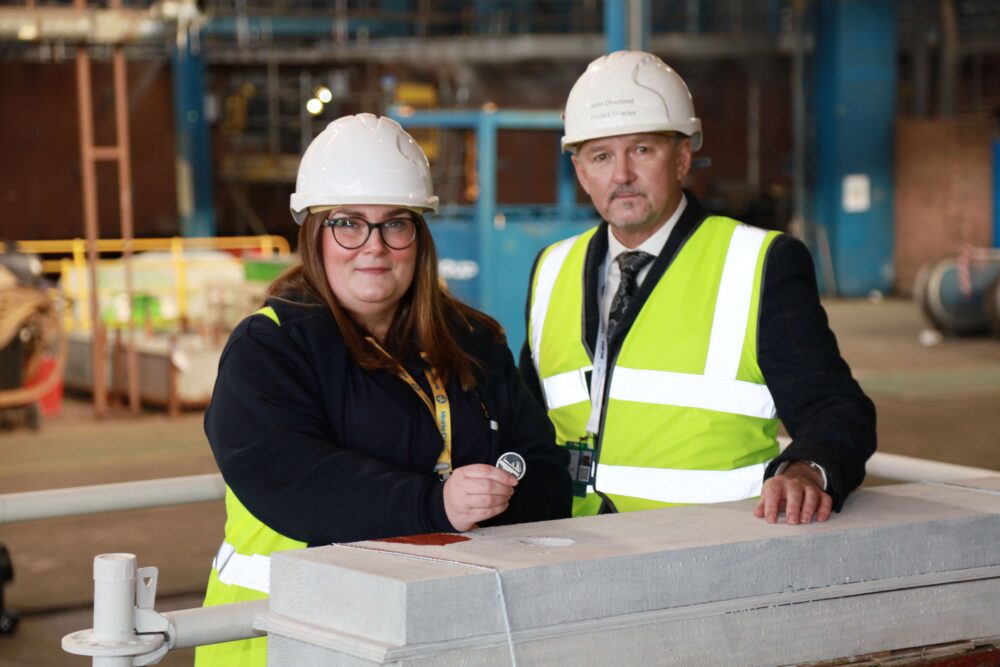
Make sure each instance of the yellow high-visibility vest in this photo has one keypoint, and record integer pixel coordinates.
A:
(241, 573)
(687, 415)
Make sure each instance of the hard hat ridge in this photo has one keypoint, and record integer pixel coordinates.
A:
(363, 160)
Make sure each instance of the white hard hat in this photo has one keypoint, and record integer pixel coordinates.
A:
(628, 92)
(363, 160)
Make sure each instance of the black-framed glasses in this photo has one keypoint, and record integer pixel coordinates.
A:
(352, 232)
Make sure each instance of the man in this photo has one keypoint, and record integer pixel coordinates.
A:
(666, 343)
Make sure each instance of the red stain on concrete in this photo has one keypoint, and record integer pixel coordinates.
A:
(428, 539)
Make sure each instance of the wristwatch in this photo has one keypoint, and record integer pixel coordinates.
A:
(812, 464)
(818, 468)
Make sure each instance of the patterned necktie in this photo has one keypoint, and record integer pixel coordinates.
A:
(630, 264)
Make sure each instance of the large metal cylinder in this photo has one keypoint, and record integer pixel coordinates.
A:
(952, 307)
(991, 303)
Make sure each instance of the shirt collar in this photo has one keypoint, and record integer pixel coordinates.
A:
(654, 244)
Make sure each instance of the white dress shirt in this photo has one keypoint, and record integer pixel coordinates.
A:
(653, 245)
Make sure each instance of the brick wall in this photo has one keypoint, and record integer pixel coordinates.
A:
(944, 190)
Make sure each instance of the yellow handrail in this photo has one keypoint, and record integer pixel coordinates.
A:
(268, 245)
(71, 267)
(180, 277)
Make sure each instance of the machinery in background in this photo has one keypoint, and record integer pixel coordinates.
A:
(32, 347)
(29, 329)
(960, 295)
(8, 617)
(185, 296)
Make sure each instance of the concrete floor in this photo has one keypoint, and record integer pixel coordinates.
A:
(937, 402)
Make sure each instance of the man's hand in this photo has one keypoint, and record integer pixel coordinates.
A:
(475, 493)
(798, 492)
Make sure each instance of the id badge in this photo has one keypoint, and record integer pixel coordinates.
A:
(581, 465)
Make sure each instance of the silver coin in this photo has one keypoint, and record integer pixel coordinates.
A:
(513, 463)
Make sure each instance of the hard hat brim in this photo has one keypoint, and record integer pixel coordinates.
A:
(300, 203)
(692, 130)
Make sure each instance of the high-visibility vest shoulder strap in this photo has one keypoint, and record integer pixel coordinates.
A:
(268, 312)
(548, 271)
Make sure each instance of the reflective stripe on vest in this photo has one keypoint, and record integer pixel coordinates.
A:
(682, 486)
(234, 569)
(692, 391)
(567, 388)
(732, 305)
(548, 271)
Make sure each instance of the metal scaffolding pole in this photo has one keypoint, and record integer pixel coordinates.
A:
(128, 631)
(125, 206)
(88, 171)
(90, 154)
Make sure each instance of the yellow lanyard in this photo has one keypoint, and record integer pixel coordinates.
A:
(440, 408)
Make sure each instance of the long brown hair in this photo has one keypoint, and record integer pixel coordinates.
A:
(427, 316)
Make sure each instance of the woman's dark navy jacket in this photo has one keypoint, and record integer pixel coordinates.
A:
(323, 451)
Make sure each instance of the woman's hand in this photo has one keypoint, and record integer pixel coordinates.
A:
(475, 493)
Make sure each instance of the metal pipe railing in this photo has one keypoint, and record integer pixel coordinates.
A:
(213, 625)
(129, 631)
(31, 505)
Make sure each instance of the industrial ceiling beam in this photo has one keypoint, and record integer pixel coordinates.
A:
(489, 50)
(88, 26)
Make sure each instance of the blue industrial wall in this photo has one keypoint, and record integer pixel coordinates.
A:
(855, 103)
(996, 193)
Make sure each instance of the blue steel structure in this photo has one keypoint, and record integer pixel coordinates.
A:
(496, 243)
(996, 193)
(194, 161)
(615, 25)
(302, 27)
(855, 104)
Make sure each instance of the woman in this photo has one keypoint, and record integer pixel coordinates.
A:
(363, 401)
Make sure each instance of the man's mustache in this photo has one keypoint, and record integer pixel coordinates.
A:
(624, 191)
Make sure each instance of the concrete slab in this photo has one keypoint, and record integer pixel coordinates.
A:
(919, 548)
(710, 635)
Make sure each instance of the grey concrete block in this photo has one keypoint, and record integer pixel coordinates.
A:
(769, 634)
(380, 597)
(639, 578)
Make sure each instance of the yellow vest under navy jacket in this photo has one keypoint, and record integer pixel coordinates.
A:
(317, 450)
(687, 415)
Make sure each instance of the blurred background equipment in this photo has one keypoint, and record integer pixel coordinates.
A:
(32, 345)
(8, 617)
(961, 295)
